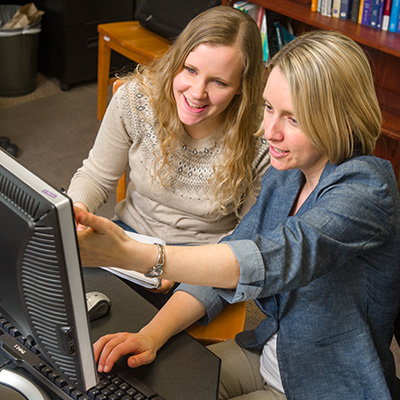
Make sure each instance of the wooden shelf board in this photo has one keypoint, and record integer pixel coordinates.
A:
(390, 106)
(387, 42)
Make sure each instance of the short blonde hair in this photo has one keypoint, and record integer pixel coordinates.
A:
(333, 94)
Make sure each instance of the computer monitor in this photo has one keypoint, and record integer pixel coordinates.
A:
(41, 286)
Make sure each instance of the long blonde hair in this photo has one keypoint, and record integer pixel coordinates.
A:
(219, 26)
(333, 94)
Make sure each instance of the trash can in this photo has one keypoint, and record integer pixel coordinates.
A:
(19, 50)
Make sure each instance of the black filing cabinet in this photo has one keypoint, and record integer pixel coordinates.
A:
(68, 42)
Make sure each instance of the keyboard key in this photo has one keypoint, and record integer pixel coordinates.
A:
(93, 392)
(46, 371)
(106, 392)
(60, 382)
(131, 392)
(117, 381)
(68, 389)
(119, 393)
(124, 386)
(112, 387)
(7, 327)
(76, 394)
(139, 396)
(52, 376)
(15, 332)
(39, 365)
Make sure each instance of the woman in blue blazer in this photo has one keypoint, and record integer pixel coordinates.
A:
(319, 251)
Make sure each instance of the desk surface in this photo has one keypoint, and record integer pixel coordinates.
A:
(183, 369)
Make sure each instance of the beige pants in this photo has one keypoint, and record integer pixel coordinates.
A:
(240, 374)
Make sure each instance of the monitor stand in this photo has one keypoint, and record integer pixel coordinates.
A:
(14, 386)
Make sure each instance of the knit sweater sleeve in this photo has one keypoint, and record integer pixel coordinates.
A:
(98, 176)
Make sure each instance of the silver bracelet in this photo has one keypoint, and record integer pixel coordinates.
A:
(157, 270)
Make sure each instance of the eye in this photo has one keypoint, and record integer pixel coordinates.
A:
(267, 107)
(189, 69)
(293, 121)
(220, 83)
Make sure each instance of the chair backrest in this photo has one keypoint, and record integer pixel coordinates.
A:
(121, 186)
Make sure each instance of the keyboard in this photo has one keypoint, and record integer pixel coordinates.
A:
(110, 387)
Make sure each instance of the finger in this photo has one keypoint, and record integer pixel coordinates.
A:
(99, 345)
(106, 358)
(120, 345)
(88, 219)
(138, 360)
(80, 227)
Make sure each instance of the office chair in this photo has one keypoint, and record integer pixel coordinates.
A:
(229, 322)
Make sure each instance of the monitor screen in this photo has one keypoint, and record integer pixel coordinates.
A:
(41, 285)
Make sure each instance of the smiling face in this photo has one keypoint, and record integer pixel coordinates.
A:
(210, 78)
(289, 146)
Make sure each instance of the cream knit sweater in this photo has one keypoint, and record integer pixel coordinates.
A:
(180, 213)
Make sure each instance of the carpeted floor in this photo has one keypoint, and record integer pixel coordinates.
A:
(45, 87)
(54, 131)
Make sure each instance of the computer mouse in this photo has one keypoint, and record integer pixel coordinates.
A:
(98, 305)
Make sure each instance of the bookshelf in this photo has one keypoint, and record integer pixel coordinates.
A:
(383, 50)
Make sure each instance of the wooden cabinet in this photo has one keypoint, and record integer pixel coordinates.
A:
(383, 49)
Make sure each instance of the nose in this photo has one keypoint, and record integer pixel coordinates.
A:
(199, 89)
(273, 129)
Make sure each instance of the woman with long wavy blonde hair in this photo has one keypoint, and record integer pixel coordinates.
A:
(241, 117)
(188, 128)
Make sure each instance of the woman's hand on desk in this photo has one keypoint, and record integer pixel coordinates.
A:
(181, 311)
(108, 349)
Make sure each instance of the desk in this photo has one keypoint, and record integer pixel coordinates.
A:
(183, 369)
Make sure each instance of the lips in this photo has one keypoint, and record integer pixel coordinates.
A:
(193, 106)
(276, 152)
